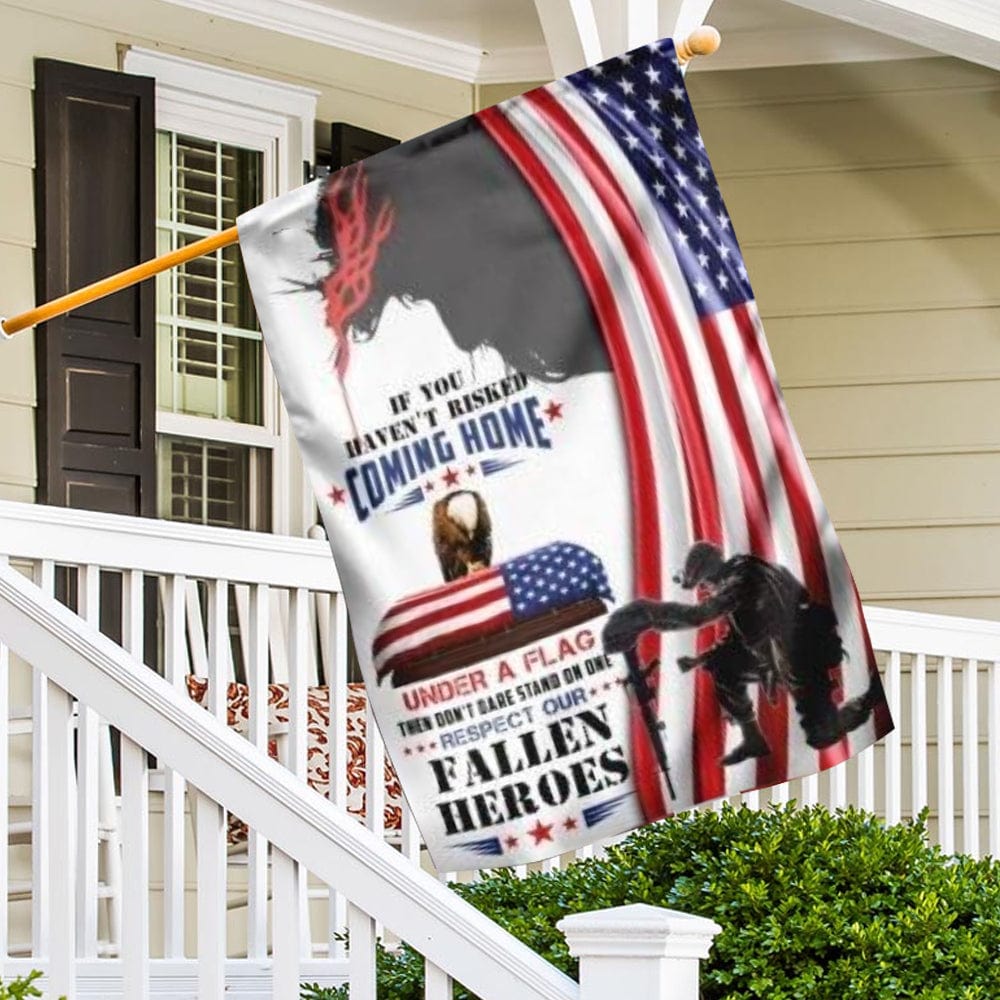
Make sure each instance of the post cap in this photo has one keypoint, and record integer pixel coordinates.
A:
(638, 930)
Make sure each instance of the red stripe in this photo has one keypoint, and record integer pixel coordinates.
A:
(793, 476)
(445, 641)
(773, 718)
(645, 504)
(442, 590)
(438, 615)
(709, 735)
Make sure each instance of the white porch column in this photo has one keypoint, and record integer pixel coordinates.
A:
(641, 952)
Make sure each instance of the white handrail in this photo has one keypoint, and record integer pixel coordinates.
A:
(451, 933)
(115, 541)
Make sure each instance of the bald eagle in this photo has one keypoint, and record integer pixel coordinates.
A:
(463, 535)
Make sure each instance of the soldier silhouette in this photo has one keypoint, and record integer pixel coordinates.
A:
(772, 634)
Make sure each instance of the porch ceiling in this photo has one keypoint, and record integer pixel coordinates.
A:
(493, 41)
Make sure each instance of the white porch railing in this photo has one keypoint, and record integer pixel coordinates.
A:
(236, 605)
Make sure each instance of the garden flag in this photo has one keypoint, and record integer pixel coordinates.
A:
(590, 579)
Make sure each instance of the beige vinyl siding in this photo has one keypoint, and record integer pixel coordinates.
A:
(391, 99)
(867, 201)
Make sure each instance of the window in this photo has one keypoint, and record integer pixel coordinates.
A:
(225, 142)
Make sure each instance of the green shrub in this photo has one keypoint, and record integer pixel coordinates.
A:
(813, 906)
(21, 988)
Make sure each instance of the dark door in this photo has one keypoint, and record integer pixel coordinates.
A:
(95, 191)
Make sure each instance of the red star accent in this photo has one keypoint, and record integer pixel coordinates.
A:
(432, 746)
(541, 832)
(571, 823)
(470, 470)
(407, 752)
(450, 478)
(337, 494)
(428, 487)
(607, 685)
(553, 411)
(420, 748)
(511, 843)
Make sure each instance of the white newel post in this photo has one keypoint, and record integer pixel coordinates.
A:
(641, 952)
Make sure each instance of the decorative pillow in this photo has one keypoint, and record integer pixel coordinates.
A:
(317, 728)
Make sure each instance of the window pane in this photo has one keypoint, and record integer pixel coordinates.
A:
(212, 482)
(210, 350)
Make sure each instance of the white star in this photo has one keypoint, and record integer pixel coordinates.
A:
(679, 151)
(657, 160)
(626, 60)
(630, 140)
(742, 271)
(703, 259)
(656, 132)
(598, 95)
(678, 122)
(698, 139)
(627, 86)
(652, 103)
(723, 251)
(628, 112)
(702, 228)
(702, 199)
(653, 46)
(653, 75)
(678, 91)
(722, 280)
(682, 209)
(682, 237)
(701, 288)
(702, 171)
(660, 189)
(597, 70)
(723, 220)
(681, 178)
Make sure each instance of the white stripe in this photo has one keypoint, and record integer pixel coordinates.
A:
(658, 407)
(414, 640)
(722, 456)
(394, 619)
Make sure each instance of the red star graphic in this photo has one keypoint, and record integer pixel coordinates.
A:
(541, 832)
(571, 823)
(432, 746)
(470, 470)
(428, 487)
(420, 748)
(337, 494)
(511, 843)
(450, 478)
(593, 692)
(407, 752)
(553, 411)
(607, 685)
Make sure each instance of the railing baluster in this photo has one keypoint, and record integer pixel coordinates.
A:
(211, 817)
(336, 680)
(4, 794)
(291, 930)
(61, 843)
(437, 983)
(135, 817)
(866, 779)
(409, 836)
(810, 789)
(970, 757)
(44, 575)
(374, 780)
(894, 742)
(258, 618)
(361, 965)
(945, 757)
(175, 671)
(838, 786)
(918, 737)
(89, 733)
(780, 793)
(994, 757)
(751, 799)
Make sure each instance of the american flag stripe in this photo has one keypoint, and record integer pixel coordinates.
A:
(706, 520)
(398, 626)
(421, 599)
(472, 588)
(734, 431)
(528, 158)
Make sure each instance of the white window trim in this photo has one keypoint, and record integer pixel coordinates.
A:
(279, 120)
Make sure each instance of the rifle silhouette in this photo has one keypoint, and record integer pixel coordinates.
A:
(645, 696)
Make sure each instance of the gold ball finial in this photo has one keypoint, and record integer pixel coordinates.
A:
(703, 41)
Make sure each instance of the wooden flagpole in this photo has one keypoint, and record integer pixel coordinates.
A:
(701, 42)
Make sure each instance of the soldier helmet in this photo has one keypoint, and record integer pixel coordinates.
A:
(704, 562)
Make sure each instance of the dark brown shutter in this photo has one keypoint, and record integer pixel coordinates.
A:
(95, 202)
(348, 144)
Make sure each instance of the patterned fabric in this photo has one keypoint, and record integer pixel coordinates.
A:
(317, 727)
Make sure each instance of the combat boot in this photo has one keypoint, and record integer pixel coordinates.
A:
(753, 744)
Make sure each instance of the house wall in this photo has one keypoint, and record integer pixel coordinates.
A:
(867, 200)
(387, 98)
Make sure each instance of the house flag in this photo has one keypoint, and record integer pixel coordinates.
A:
(590, 579)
